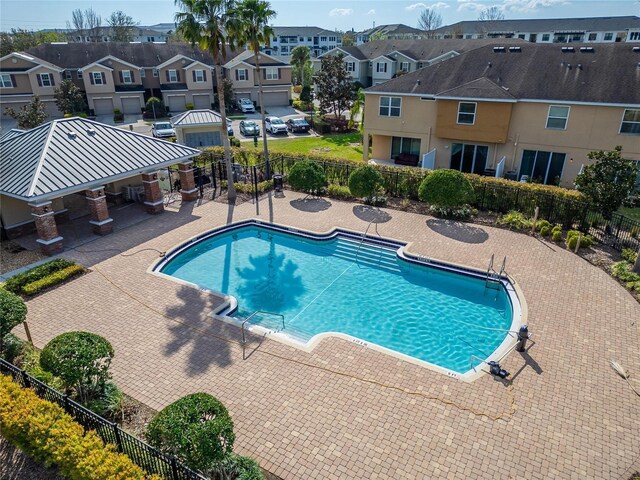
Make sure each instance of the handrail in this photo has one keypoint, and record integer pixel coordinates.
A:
(253, 315)
(490, 267)
(362, 239)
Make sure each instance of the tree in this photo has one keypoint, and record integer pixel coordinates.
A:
(608, 181)
(155, 106)
(81, 360)
(379, 35)
(205, 23)
(446, 188)
(489, 17)
(307, 74)
(86, 24)
(19, 40)
(29, 116)
(356, 109)
(429, 21)
(365, 181)
(227, 88)
(69, 98)
(13, 312)
(307, 176)
(197, 429)
(348, 39)
(335, 86)
(252, 28)
(300, 55)
(121, 26)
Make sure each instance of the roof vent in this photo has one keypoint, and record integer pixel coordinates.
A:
(587, 49)
(579, 66)
(515, 49)
(91, 132)
(418, 82)
(489, 64)
(71, 135)
(636, 49)
(568, 49)
(498, 49)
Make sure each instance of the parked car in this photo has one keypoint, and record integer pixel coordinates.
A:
(163, 130)
(229, 127)
(249, 128)
(246, 106)
(298, 125)
(275, 125)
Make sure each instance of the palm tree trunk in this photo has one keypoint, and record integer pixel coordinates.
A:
(264, 127)
(231, 189)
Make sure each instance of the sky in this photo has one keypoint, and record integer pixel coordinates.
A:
(332, 15)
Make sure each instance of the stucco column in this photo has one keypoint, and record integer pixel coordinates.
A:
(48, 238)
(100, 222)
(152, 194)
(365, 147)
(188, 189)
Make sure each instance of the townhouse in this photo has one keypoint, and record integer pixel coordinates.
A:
(549, 30)
(123, 76)
(528, 112)
(318, 40)
(105, 34)
(379, 61)
(396, 31)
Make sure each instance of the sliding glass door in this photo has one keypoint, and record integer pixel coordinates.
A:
(542, 167)
(469, 158)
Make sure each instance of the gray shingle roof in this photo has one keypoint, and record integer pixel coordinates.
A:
(302, 32)
(614, 24)
(196, 117)
(392, 29)
(479, 88)
(72, 154)
(606, 74)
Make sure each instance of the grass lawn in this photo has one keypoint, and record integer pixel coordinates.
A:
(630, 212)
(347, 145)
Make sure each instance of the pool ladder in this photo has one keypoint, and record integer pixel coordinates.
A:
(364, 235)
(492, 278)
(246, 320)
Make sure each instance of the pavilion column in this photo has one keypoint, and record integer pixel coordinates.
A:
(152, 194)
(48, 238)
(100, 222)
(188, 189)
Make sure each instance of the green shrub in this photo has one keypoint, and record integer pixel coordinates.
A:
(241, 468)
(446, 188)
(307, 176)
(248, 187)
(556, 228)
(189, 106)
(542, 224)
(556, 235)
(303, 106)
(52, 279)
(305, 94)
(629, 255)
(460, 213)
(81, 360)
(376, 201)
(13, 312)
(365, 181)
(12, 347)
(622, 270)
(515, 221)
(45, 432)
(235, 142)
(110, 403)
(31, 364)
(197, 429)
(572, 240)
(338, 191)
(545, 231)
(16, 283)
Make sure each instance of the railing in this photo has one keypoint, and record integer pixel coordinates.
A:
(364, 235)
(141, 453)
(246, 320)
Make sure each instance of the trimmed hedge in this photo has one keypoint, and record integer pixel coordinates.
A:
(52, 279)
(44, 431)
(18, 283)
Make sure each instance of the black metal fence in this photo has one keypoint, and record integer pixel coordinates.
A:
(142, 454)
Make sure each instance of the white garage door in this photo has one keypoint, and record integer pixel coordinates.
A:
(201, 101)
(275, 99)
(202, 139)
(103, 106)
(177, 103)
(131, 105)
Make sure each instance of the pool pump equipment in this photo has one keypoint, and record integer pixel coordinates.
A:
(496, 370)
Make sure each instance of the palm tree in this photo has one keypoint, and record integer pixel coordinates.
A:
(299, 58)
(358, 107)
(205, 23)
(252, 28)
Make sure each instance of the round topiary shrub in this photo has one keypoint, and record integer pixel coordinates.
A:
(542, 224)
(365, 182)
(556, 235)
(307, 176)
(572, 240)
(81, 360)
(13, 312)
(446, 188)
(545, 231)
(197, 429)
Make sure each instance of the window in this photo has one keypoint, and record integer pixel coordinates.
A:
(5, 80)
(301, 39)
(557, 117)
(467, 113)
(241, 74)
(630, 122)
(142, 73)
(97, 78)
(350, 66)
(390, 106)
(467, 36)
(381, 67)
(323, 39)
(271, 74)
(308, 39)
(284, 50)
(274, 40)
(634, 36)
(545, 37)
(199, 75)
(521, 36)
(173, 76)
(542, 167)
(593, 37)
(126, 76)
(404, 66)
(151, 39)
(469, 158)
(332, 39)
(608, 36)
(67, 74)
(45, 80)
(79, 74)
(404, 145)
(156, 72)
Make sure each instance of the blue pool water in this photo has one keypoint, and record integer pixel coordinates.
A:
(318, 285)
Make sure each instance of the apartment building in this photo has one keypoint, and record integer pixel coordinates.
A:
(529, 112)
(550, 30)
(396, 31)
(318, 40)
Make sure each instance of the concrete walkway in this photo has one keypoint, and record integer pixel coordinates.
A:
(344, 411)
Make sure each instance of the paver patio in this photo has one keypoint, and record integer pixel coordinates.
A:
(344, 411)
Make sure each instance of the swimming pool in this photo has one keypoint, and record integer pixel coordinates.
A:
(373, 292)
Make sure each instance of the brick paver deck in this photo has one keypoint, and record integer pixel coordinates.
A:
(345, 411)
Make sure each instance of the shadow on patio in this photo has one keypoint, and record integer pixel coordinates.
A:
(460, 231)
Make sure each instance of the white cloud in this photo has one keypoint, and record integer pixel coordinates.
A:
(471, 5)
(371, 12)
(530, 5)
(439, 5)
(415, 6)
(340, 12)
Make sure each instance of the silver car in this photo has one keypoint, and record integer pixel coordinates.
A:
(163, 130)
(275, 125)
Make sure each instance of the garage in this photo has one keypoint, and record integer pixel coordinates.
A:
(52, 109)
(275, 99)
(103, 106)
(201, 102)
(202, 139)
(131, 105)
(177, 103)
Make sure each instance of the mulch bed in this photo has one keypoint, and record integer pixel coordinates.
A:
(16, 465)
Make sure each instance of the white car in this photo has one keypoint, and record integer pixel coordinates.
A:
(275, 125)
(246, 105)
(163, 130)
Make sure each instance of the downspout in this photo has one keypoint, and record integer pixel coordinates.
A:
(515, 149)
